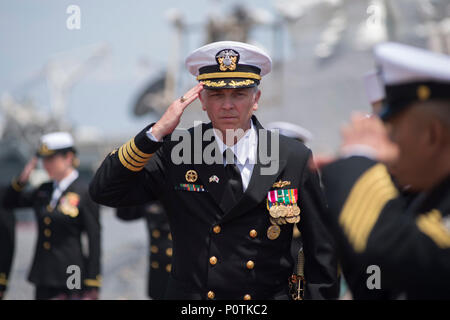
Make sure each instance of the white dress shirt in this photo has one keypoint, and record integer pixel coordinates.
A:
(245, 151)
(61, 186)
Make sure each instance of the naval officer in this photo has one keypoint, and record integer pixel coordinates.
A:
(405, 242)
(231, 218)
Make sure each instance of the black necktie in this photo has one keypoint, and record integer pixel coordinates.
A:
(233, 173)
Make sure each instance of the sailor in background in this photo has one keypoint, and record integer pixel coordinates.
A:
(160, 239)
(407, 241)
(7, 241)
(64, 211)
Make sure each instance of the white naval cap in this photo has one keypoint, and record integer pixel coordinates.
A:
(291, 130)
(229, 64)
(411, 74)
(374, 88)
(55, 142)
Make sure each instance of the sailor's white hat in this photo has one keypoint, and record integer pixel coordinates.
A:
(374, 88)
(291, 130)
(411, 74)
(55, 142)
(229, 64)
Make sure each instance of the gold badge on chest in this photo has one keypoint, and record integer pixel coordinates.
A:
(191, 176)
(68, 204)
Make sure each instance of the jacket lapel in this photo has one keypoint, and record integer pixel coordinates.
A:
(219, 190)
(259, 183)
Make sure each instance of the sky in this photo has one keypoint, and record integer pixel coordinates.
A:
(137, 33)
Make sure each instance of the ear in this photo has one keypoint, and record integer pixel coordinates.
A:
(435, 135)
(200, 97)
(257, 96)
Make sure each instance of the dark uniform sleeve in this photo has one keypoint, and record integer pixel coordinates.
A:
(369, 217)
(322, 281)
(16, 197)
(130, 175)
(91, 223)
(7, 226)
(131, 213)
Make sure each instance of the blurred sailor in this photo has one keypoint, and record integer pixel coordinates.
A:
(64, 211)
(160, 239)
(7, 241)
(403, 244)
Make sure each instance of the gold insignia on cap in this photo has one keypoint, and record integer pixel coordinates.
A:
(227, 59)
(191, 176)
(423, 92)
(241, 83)
(44, 150)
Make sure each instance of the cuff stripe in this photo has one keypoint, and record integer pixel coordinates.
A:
(431, 225)
(360, 213)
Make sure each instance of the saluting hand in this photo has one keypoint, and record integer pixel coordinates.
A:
(369, 131)
(29, 167)
(171, 118)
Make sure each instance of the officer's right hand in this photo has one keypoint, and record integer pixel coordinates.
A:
(25, 175)
(171, 118)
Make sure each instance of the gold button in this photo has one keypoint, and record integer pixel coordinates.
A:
(156, 234)
(250, 264)
(211, 294)
(213, 260)
(155, 264)
(169, 252)
(168, 267)
(247, 297)
(217, 229)
(154, 249)
(47, 233)
(47, 220)
(253, 233)
(47, 245)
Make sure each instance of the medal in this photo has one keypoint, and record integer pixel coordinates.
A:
(291, 219)
(273, 232)
(274, 211)
(282, 211)
(295, 209)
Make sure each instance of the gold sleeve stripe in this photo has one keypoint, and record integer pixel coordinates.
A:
(125, 163)
(130, 158)
(16, 186)
(352, 220)
(431, 225)
(92, 283)
(3, 280)
(139, 152)
(223, 75)
(133, 154)
(364, 204)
